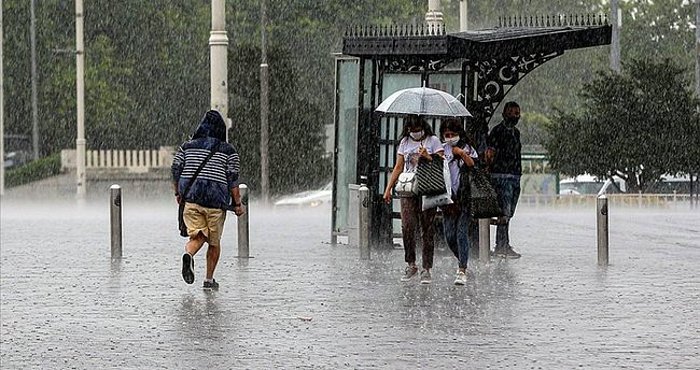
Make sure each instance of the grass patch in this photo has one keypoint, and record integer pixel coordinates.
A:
(34, 170)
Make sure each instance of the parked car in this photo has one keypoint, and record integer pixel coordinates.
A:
(587, 184)
(18, 150)
(310, 198)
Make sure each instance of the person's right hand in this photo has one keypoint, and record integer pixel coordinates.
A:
(387, 196)
(423, 152)
(489, 154)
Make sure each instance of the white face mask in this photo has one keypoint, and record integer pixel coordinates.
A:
(417, 135)
(452, 141)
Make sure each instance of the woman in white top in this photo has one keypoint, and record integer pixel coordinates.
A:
(417, 141)
(460, 156)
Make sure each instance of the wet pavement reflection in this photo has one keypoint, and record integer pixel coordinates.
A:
(301, 302)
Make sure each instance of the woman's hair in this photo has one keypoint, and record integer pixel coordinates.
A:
(455, 125)
(413, 121)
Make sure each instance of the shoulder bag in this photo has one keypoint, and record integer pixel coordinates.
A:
(430, 176)
(181, 205)
(483, 200)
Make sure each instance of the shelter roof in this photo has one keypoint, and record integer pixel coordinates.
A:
(511, 37)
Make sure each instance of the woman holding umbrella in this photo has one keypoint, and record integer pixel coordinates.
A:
(417, 140)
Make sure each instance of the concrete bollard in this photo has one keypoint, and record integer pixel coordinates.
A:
(243, 226)
(364, 221)
(115, 220)
(602, 228)
(484, 239)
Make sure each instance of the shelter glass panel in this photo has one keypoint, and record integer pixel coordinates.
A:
(448, 82)
(348, 80)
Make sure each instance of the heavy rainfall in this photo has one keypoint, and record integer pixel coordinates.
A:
(98, 98)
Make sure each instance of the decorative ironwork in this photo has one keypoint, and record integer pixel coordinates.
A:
(559, 20)
(497, 76)
(395, 30)
(415, 64)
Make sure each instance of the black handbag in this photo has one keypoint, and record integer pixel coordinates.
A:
(483, 199)
(430, 177)
(181, 206)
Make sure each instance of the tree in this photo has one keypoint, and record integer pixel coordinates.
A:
(296, 148)
(640, 124)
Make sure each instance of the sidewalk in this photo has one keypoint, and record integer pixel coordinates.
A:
(302, 303)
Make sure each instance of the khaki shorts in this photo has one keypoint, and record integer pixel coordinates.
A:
(208, 221)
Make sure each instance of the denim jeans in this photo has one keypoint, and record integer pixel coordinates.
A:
(455, 223)
(508, 189)
(411, 216)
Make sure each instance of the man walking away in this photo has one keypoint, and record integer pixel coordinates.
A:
(205, 176)
(504, 158)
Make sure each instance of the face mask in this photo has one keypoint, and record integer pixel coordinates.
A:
(417, 135)
(511, 122)
(452, 141)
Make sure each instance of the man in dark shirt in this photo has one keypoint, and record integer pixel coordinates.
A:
(503, 157)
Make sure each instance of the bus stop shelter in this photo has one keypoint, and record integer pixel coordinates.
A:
(478, 66)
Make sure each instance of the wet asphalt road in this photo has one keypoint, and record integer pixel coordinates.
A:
(301, 302)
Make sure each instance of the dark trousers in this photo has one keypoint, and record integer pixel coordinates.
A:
(411, 217)
(508, 194)
(455, 223)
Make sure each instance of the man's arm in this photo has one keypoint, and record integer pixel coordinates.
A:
(233, 167)
(491, 146)
(176, 170)
(238, 208)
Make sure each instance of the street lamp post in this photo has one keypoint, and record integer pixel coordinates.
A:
(2, 111)
(433, 18)
(80, 99)
(264, 111)
(35, 109)
(463, 12)
(697, 49)
(218, 52)
(616, 19)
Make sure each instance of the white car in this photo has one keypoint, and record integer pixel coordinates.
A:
(587, 184)
(310, 198)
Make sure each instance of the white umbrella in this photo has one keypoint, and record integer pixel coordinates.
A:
(423, 101)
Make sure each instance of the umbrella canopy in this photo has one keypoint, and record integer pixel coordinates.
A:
(423, 101)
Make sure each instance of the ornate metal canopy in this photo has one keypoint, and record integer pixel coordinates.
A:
(514, 35)
(500, 56)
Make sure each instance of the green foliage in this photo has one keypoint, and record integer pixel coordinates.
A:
(640, 124)
(147, 68)
(296, 151)
(532, 127)
(33, 171)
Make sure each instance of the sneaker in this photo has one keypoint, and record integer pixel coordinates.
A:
(409, 273)
(425, 277)
(188, 268)
(500, 252)
(461, 278)
(510, 253)
(211, 285)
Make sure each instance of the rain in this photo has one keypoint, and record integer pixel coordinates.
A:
(612, 117)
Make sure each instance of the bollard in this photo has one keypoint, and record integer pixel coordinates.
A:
(115, 220)
(243, 227)
(484, 239)
(363, 224)
(602, 216)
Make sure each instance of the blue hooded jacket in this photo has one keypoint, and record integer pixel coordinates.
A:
(212, 187)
